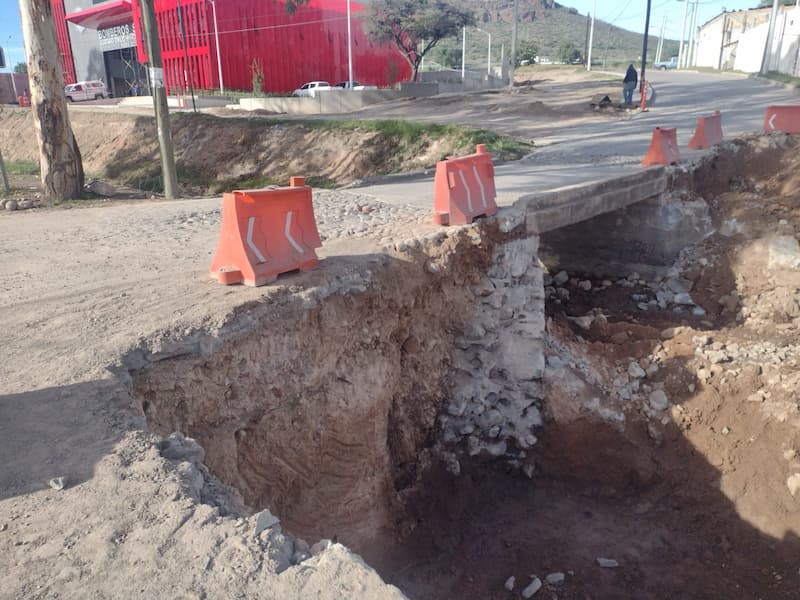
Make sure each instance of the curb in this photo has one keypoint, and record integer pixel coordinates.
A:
(794, 88)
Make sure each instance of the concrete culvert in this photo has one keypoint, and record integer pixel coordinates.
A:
(475, 423)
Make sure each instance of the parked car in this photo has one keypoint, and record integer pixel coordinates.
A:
(356, 86)
(309, 89)
(86, 90)
(672, 63)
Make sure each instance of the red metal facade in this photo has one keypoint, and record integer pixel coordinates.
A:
(65, 48)
(309, 45)
(179, 40)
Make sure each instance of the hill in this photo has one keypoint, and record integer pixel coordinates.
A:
(548, 25)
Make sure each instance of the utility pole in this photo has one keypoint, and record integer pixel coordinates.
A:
(6, 187)
(693, 35)
(586, 39)
(644, 53)
(681, 54)
(216, 42)
(661, 39)
(591, 37)
(463, 52)
(722, 42)
(159, 98)
(514, 27)
(188, 75)
(765, 60)
(349, 50)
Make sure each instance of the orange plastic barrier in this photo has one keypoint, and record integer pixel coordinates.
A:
(783, 118)
(464, 188)
(708, 132)
(265, 233)
(663, 148)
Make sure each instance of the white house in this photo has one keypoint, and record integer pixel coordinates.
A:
(736, 39)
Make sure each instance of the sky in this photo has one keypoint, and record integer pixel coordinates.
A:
(11, 33)
(629, 14)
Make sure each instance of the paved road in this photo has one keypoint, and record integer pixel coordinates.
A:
(596, 150)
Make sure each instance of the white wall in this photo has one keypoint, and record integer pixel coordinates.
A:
(748, 40)
(750, 49)
(709, 42)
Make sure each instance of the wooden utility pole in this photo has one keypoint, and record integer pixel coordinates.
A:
(156, 73)
(59, 157)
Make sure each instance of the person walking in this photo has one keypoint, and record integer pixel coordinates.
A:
(629, 84)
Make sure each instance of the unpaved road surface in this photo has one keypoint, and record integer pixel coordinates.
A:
(89, 294)
(83, 288)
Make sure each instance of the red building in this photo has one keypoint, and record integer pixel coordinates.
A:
(309, 45)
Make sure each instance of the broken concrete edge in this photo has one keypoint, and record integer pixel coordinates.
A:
(551, 210)
(709, 174)
(204, 339)
(184, 456)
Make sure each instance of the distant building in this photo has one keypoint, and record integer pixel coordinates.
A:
(102, 39)
(735, 41)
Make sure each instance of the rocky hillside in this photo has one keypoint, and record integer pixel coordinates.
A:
(548, 25)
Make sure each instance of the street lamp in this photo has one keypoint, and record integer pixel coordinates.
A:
(216, 41)
(489, 58)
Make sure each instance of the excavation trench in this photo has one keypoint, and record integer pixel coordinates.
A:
(451, 415)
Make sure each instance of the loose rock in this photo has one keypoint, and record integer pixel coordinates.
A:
(58, 483)
(509, 584)
(606, 563)
(793, 483)
(555, 578)
(561, 278)
(265, 520)
(635, 371)
(658, 400)
(534, 586)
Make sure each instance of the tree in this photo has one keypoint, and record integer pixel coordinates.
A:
(20, 68)
(568, 53)
(449, 57)
(527, 52)
(59, 157)
(414, 26)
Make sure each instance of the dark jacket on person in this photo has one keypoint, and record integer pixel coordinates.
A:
(631, 76)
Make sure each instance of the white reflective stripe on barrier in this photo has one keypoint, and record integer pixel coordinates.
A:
(250, 222)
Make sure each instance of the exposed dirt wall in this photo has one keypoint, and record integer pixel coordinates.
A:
(326, 413)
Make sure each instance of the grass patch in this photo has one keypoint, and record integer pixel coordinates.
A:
(783, 78)
(394, 146)
(22, 167)
(412, 133)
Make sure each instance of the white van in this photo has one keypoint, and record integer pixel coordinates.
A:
(86, 90)
(310, 88)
